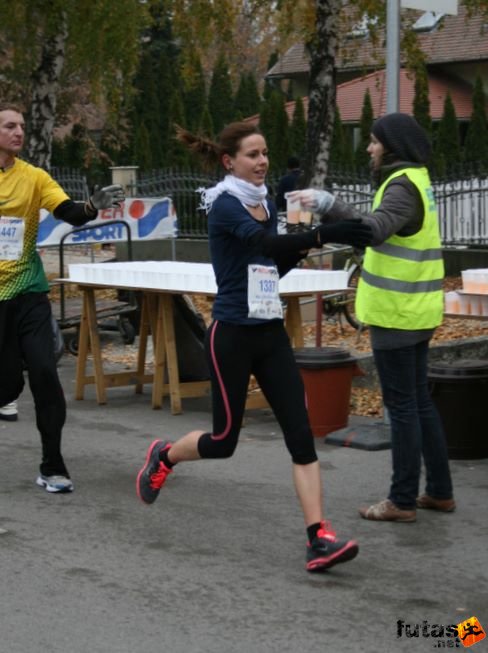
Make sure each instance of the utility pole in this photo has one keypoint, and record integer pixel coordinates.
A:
(392, 55)
(393, 41)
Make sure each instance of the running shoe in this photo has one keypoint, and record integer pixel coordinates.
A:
(55, 483)
(153, 474)
(325, 550)
(9, 412)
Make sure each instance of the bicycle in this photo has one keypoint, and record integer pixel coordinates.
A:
(338, 304)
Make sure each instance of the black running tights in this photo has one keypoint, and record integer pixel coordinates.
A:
(235, 352)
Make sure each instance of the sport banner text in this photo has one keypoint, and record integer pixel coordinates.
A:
(148, 218)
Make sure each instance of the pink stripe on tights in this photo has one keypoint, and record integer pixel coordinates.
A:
(223, 392)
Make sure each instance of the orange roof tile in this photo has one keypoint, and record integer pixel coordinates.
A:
(350, 96)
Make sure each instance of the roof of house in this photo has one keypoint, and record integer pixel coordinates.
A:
(350, 96)
(460, 38)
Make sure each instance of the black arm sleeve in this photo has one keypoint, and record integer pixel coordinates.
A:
(282, 245)
(286, 262)
(74, 213)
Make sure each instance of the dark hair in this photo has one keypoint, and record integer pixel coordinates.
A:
(228, 142)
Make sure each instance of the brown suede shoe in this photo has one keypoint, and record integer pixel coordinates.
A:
(387, 511)
(429, 503)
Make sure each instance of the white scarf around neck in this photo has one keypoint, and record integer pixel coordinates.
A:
(247, 193)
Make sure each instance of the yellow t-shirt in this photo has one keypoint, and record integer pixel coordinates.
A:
(24, 190)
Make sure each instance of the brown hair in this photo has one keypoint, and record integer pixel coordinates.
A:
(11, 106)
(228, 142)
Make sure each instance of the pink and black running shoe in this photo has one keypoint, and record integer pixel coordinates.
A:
(153, 474)
(325, 550)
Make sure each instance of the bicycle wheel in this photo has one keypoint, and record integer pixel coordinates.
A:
(349, 308)
(332, 305)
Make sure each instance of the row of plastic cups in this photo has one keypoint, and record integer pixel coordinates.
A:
(459, 303)
(475, 280)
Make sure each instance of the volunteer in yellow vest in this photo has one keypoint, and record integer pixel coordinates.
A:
(400, 298)
(26, 335)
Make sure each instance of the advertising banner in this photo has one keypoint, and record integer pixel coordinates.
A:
(149, 218)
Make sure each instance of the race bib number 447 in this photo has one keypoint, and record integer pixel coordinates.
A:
(11, 238)
(263, 292)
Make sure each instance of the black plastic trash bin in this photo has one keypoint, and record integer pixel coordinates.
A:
(327, 375)
(460, 392)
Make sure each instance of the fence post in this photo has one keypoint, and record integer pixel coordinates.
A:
(126, 176)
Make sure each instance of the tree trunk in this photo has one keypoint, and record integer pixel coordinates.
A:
(322, 92)
(45, 86)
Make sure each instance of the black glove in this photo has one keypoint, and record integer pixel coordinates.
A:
(349, 232)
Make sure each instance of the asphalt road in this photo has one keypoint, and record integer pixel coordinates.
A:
(216, 565)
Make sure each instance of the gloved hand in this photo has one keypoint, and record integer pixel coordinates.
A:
(317, 201)
(106, 197)
(349, 232)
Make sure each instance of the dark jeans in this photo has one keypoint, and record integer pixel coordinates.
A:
(416, 429)
(26, 335)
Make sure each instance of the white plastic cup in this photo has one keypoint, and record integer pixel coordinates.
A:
(468, 281)
(451, 302)
(475, 304)
(484, 281)
(293, 210)
(477, 276)
(464, 304)
(475, 280)
(484, 305)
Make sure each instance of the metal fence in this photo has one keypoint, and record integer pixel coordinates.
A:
(462, 203)
(463, 211)
(462, 207)
(182, 187)
(73, 181)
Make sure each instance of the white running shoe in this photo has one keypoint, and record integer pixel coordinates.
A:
(9, 412)
(56, 483)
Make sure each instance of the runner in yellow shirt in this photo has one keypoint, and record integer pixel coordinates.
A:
(25, 312)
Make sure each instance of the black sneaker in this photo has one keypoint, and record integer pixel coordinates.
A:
(153, 474)
(325, 550)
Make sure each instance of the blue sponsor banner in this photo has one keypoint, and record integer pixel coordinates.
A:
(149, 218)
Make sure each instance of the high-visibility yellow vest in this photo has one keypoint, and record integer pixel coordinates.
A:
(401, 282)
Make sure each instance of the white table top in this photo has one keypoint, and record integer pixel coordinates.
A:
(199, 278)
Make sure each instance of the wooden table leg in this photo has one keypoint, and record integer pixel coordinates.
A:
(96, 349)
(83, 339)
(143, 335)
(159, 352)
(166, 316)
